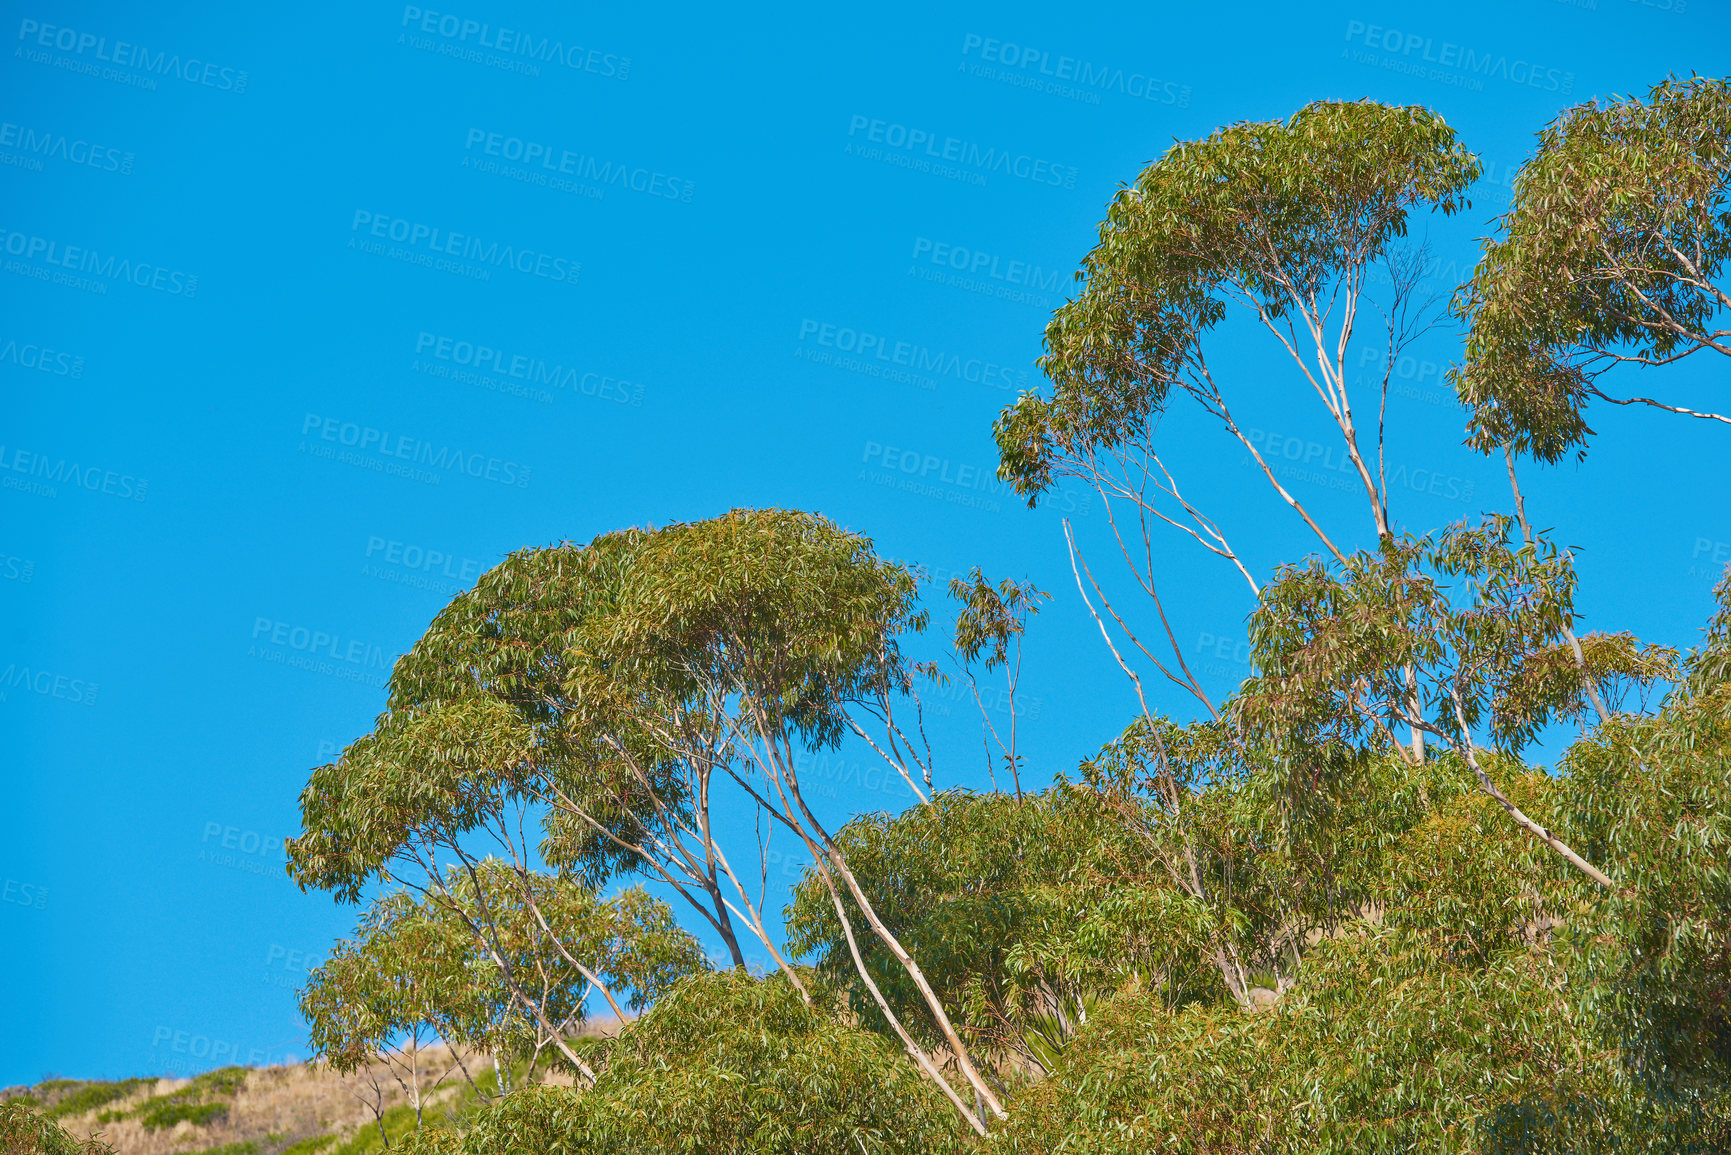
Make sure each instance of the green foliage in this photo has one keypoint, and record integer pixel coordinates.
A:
(204, 1100)
(1433, 628)
(1290, 927)
(1462, 637)
(25, 1131)
(1613, 251)
(610, 684)
(1447, 1018)
(725, 1062)
(999, 899)
(1383, 1047)
(309, 1146)
(1656, 794)
(70, 1096)
(225, 1081)
(425, 964)
(1276, 214)
(991, 621)
(93, 1095)
(161, 1114)
(992, 618)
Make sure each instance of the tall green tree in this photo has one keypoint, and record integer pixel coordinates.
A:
(1290, 221)
(626, 690)
(782, 632)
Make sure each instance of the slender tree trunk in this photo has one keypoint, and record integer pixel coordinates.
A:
(838, 863)
(1412, 705)
(415, 1078)
(921, 1059)
(724, 924)
(1465, 748)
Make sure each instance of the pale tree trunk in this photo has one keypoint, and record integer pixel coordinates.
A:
(823, 844)
(918, 1054)
(1465, 748)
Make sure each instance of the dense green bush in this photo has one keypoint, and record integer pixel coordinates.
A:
(726, 1062)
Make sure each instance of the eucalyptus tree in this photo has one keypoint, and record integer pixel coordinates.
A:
(1289, 220)
(991, 621)
(1613, 253)
(1186, 794)
(502, 714)
(633, 695)
(1006, 902)
(725, 1062)
(780, 631)
(1655, 792)
(29, 1131)
(404, 806)
(1460, 636)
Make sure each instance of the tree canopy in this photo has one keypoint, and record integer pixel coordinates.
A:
(1612, 253)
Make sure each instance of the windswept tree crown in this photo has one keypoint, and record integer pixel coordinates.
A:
(1270, 212)
(1613, 251)
(568, 669)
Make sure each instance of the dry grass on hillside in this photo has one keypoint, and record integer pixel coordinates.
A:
(290, 1110)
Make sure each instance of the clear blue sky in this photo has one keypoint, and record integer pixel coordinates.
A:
(270, 273)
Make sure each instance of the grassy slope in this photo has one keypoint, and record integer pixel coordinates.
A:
(291, 1110)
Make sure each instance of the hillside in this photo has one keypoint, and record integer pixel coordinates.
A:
(295, 1109)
